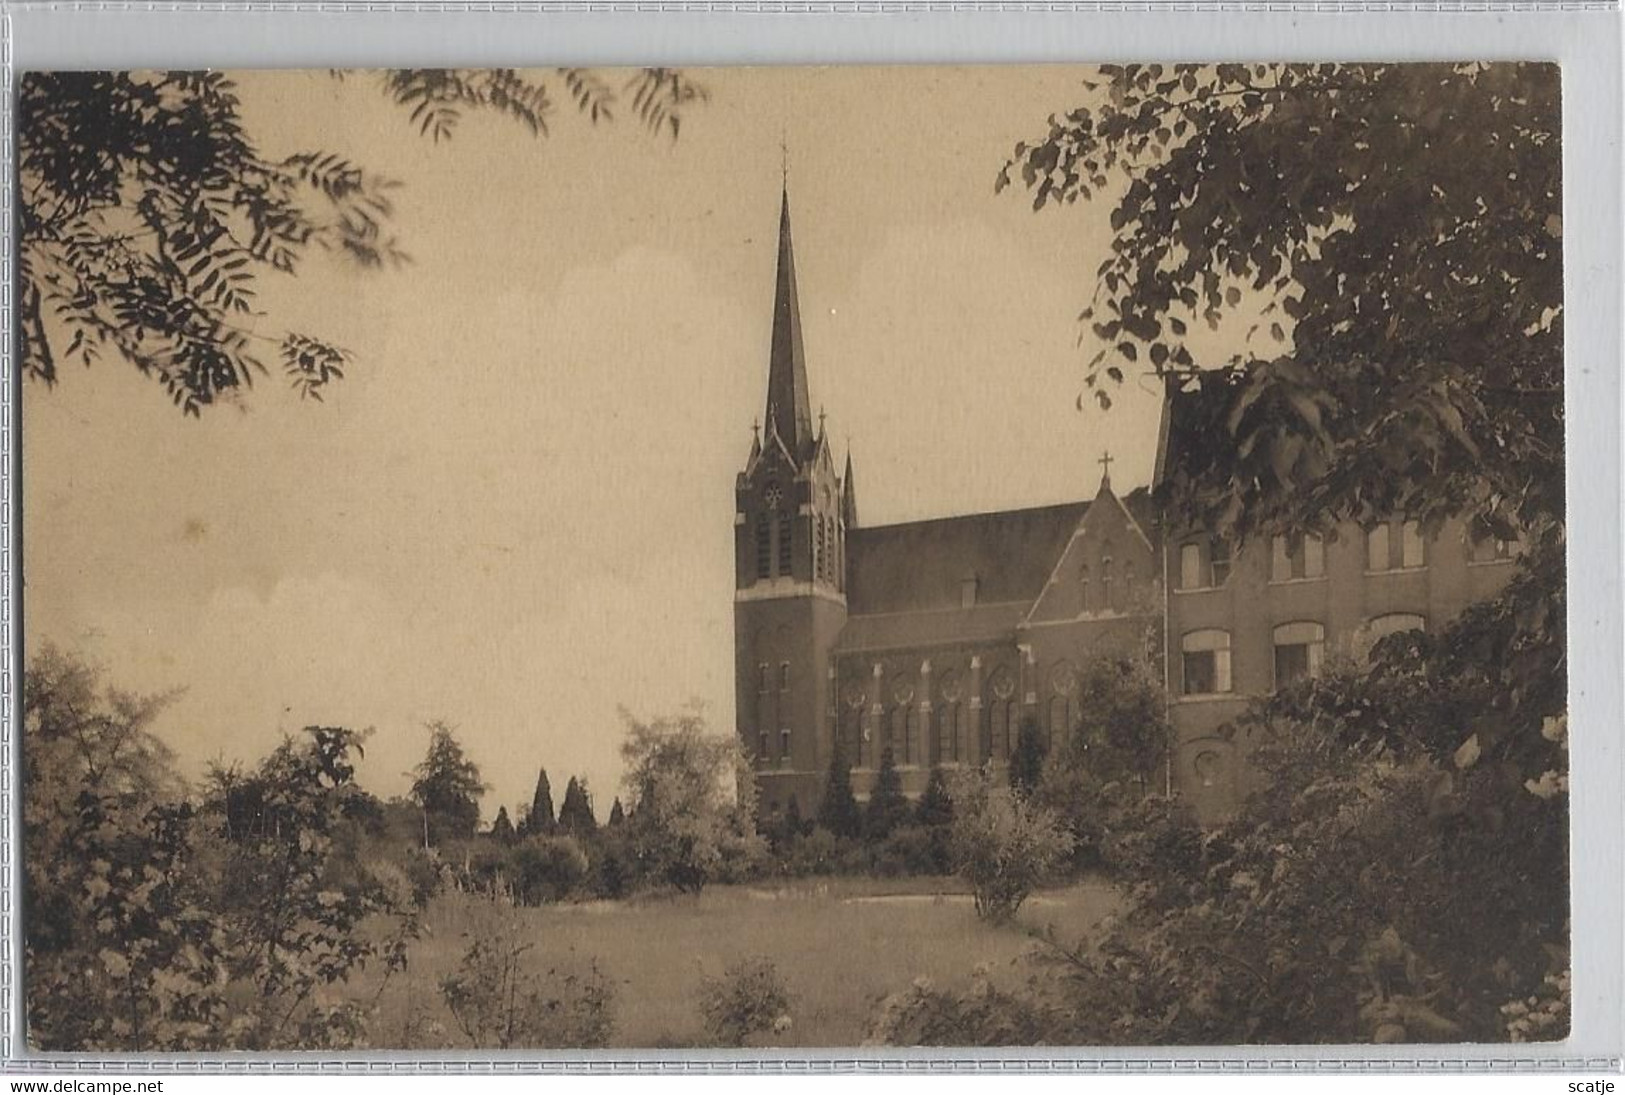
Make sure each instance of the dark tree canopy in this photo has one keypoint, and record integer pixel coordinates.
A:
(1395, 232)
(838, 809)
(887, 808)
(540, 820)
(502, 830)
(575, 813)
(447, 787)
(1027, 759)
(147, 213)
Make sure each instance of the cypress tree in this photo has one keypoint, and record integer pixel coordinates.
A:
(888, 809)
(617, 814)
(541, 822)
(1027, 760)
(502, 828)
(838, 812)
(935, 814)
(575, 813)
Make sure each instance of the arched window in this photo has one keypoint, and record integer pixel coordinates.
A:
(764, 548)
(1393, 623)
(784, 546)
(1299, 648)
(1083, 587)
(1205, 660)
(1107, 603)
(1379, 628)
(1000, 720)
(1060, 719)
(951, 734)
(1128, 583)
(819, 562)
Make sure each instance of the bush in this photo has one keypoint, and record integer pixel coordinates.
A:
(544, 869)
(924, 1015)
(500, 1004)
(1003, 845)
(907, 851)
(821, 852)
(750, 998)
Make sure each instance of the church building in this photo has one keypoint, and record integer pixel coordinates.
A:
(937, 639)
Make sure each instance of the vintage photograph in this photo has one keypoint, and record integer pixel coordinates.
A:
(571, 559)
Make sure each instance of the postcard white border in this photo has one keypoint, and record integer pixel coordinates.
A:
(1585, 37)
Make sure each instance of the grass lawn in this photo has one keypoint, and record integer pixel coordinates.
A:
(840, 945)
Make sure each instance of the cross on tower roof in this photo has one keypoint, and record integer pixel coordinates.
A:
(1106, 470)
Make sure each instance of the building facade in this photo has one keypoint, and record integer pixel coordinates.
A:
(937, 639)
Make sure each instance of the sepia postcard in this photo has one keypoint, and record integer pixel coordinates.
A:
(756, 558)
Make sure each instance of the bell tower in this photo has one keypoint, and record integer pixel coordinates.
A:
(790, 510)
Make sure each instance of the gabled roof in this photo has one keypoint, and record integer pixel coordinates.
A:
(933, 627)
(922, 565)
(1193, 423)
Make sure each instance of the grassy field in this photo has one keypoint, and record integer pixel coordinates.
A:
(840, 944)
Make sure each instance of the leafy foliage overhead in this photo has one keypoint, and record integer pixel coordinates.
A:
(1393, 234)
(147, 213)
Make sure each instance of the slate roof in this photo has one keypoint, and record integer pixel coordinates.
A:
(920, 566)
(937, 627)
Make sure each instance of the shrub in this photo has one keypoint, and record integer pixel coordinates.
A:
(821, 852)
(924, 1015)
(500, 1004)
(543, 869)
(907, 851)
(1003, 845)
(750, 998)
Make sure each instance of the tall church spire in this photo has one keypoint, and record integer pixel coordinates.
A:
(849, 495)
(788, 408)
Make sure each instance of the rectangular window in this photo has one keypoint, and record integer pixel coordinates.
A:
(1314, 557)
(1205, 663)
(1376, 548)
(967, 593)
(1299, 648)
(1294, 558)
(784, 676)
(1486, 547)
(1280, 559)
(1202, 672)
(761, 677)
(1291, 663)
(784, 743)
(1221, 562)
(761, 746)
(1190, 566)
(1412, 551)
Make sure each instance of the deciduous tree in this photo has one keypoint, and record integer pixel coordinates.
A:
(148, 212)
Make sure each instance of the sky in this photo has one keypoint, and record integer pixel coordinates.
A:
(516, 513)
